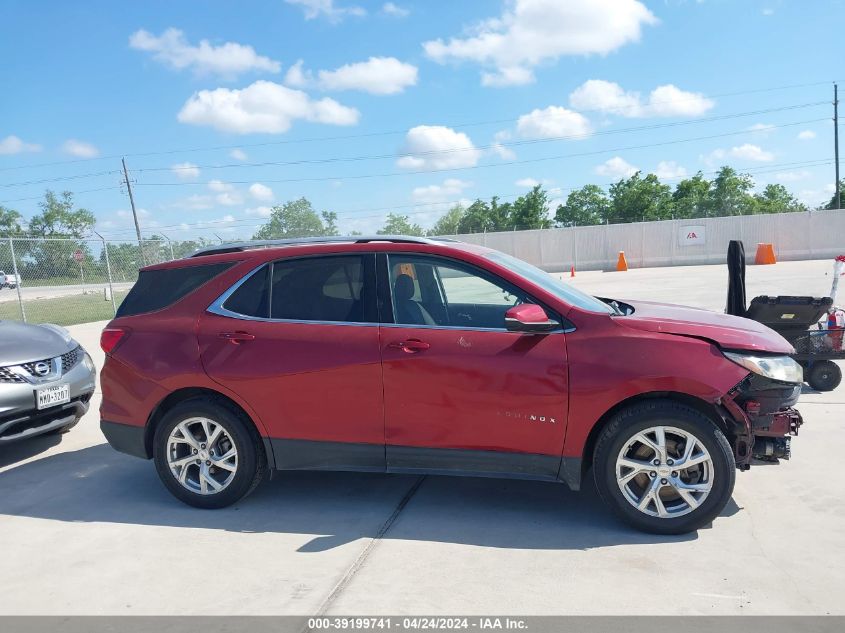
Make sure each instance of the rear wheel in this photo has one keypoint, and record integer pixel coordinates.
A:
(207, 453)
(664, 467)
(824, 375)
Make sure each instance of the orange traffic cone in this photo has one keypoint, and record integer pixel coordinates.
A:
(572, 271)
(765, 254)
(621, 263)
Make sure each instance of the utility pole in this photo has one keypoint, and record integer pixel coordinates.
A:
(838, 200)
(134, 213)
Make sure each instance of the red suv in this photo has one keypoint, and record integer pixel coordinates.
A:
(411, 355)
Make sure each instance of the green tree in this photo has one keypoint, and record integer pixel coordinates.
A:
(691, 197)
(777, 199)
(330, 223)
(400, 225)
(832, 203)
(531, 211)
(295, 218)
(10, 222)
(64, 226)
(586, 206)
(730, 194)
(638, 199)
(59, 218)
(449, 222)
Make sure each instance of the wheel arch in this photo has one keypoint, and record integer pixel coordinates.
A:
(186, 393)
(709, 409)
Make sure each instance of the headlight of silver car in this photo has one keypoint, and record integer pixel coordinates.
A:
(88, 362)
(783, 368)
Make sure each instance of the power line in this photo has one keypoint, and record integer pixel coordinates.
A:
(619, 112)
(344, 214)
(439, 152)
(474, 167)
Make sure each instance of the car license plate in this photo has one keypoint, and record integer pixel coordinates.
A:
(53, 395)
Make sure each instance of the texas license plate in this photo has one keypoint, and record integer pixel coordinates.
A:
(53, 395)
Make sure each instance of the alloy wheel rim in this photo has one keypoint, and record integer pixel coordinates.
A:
(202, 456)
(664, 472)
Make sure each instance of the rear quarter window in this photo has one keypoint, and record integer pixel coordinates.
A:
(158, 289)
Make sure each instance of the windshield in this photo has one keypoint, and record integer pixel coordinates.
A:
(557, 287)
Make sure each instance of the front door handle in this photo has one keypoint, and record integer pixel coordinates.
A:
(236, 338)
(411, 346)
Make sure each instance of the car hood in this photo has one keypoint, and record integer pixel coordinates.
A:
(727, 331)
(22, 343)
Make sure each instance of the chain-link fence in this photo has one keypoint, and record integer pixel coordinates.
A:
(69, 281)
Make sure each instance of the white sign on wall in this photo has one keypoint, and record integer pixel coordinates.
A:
(691, 235)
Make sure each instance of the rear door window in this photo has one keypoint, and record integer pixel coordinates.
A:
(332, 288)
(252, 298)
(160, 288)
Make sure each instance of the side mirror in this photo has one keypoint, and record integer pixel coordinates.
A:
(528, 317)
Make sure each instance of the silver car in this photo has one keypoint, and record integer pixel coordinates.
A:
(46, 380)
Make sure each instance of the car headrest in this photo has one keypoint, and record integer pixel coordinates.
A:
(403, 287)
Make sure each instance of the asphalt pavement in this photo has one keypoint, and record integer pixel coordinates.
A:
(87, 530)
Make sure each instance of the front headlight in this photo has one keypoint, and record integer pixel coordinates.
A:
(88, 362)
(783, 368)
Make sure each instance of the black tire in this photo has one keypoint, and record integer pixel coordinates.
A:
(251, 460)
(824, 375)
(629, 422)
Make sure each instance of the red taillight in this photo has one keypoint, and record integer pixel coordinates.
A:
(110, 338)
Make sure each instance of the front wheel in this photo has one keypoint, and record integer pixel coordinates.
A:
(207, 453)
(664, 467)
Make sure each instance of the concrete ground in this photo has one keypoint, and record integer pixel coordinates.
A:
(86, 530)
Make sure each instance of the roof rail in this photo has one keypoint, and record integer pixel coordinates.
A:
(236, 247)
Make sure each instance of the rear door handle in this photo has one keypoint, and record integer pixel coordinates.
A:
(236, 337)
(411, 346)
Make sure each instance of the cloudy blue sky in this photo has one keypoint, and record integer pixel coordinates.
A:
(223, 109)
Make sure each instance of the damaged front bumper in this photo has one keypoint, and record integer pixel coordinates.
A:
(760, 412)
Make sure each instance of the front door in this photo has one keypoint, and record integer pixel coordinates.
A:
(461, 393)
(298, 340)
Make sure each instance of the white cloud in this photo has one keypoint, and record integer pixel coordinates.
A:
(502, 151)
(532, 32)
(259, 212)
(227, 60)
(616, 167)
(751, 152)
(762, 129)
(195, 202)
(377, 75)
(80, 149)
(768, 12)
(792, 176)
(220, 186)
(528, 183)
(394, 10)
(431, 194)
(14, 145)
(263, 106)
(664, 101)
(437, 147)
(238, 154)
(553, 122)
(326, 9)
(668, 169)
(806, 135)
(260, 192)
(229, 199)
(186, 171)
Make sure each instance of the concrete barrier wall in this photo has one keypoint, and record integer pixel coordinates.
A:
(808, 235)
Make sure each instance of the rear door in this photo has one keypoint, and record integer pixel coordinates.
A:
(298, 340)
